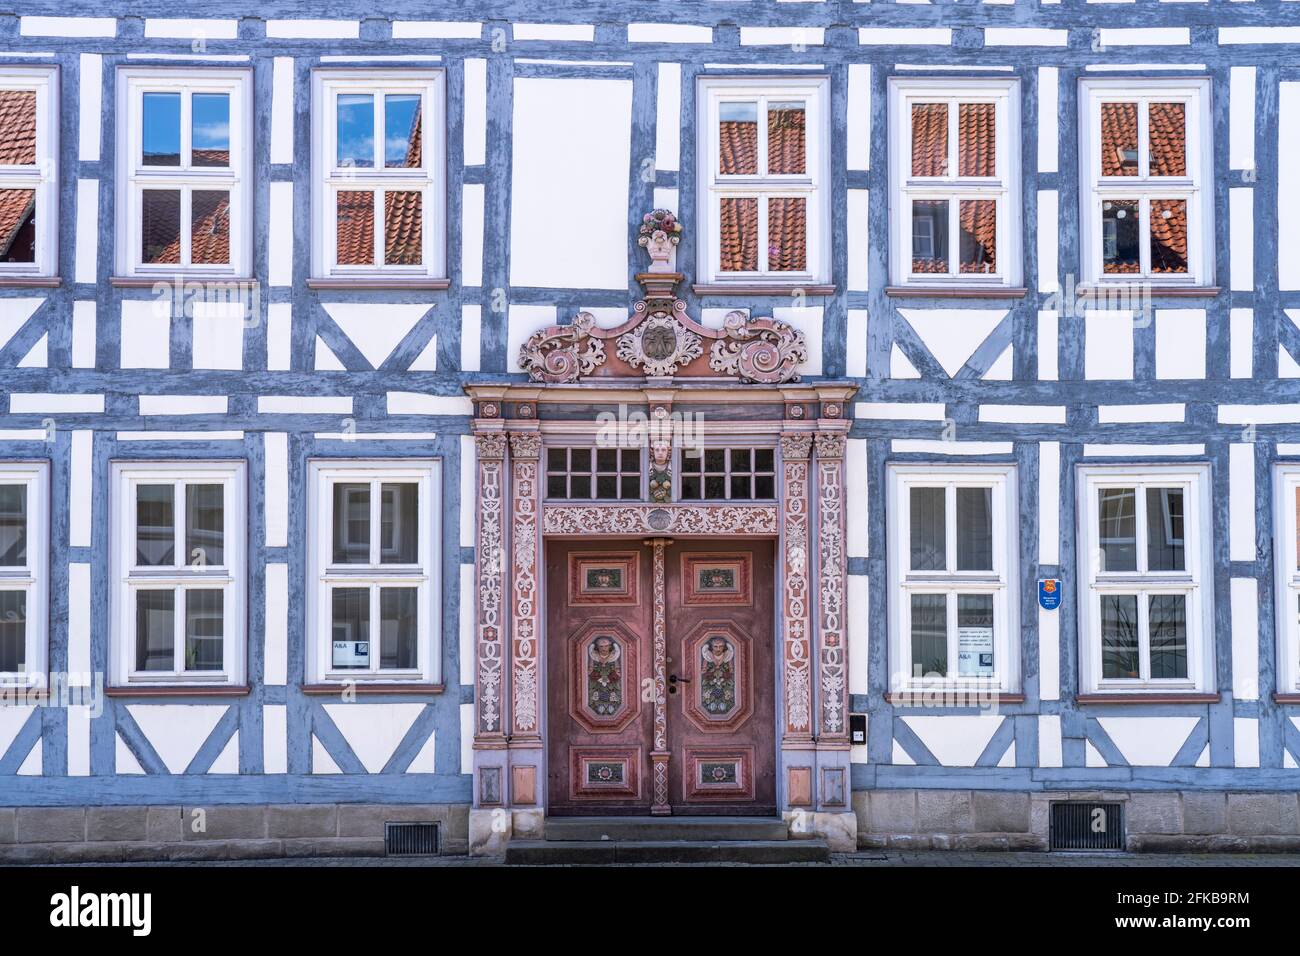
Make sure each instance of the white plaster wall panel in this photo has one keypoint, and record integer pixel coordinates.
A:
(1160, 412)
(921, 446)
(282, 110)
(417, 403)
(279, 244)
(38, 356)
(856, 489)
(471, 330)
(521, 322)
(228, 760)
(1252, 35)
(555, 32)
(31, 767)
(955, 741)
(1024, 36)
(468, 490)
(1286, 365)
(14, 314)
(858, 201)
(1241, 343)
(1049, 654)
(590, 184)
(376, 329)
(858, 135)
(794, 37)
(1245, 638)
(425, 759)
(900, 411)
(79, 672)
(279, 336)
(471, 234)
(1049, 502)
(437, 30)
(176, 731)
(953, 335)
(668, 121)
(325, 359)
(467, 598)
(373, 731)
(1245, 742)
(1108, 344)
(1145, 36)
(904, 36)
(218, 339)
(475, 111)
(313, 405)
(899, 756)
(1241, 501)
(312, 29)
(275, 736)
(1008, 758)
(1288, 187)
(858, 597)
(1180, 343)
(163, 28)
(855, 355)
(668, 33)
(427, 360)
(80, 485)
(276, 650)
(808, 320)
(89, 101)
(321, 761)
(67, 26)
(1241, 117)
(124, 761)
(1241, 247)
(1137, 450)
(167, 435)
(86, 249)
(146, 333)
(276, 456)
(1048, 240)
(1148, 741)
(1023, 414)
(1048, 132)
(1048, 322)
(665, 197)
(12, 719)
(1049, 740)
(1258, 414)
(54, 403)
(1091, 757)
(466, 737)
(78, 741)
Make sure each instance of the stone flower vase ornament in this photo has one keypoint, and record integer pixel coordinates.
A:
(659, 234)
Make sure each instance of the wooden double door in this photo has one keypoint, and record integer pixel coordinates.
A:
(716, 719)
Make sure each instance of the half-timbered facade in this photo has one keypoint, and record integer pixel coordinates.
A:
(877, 416)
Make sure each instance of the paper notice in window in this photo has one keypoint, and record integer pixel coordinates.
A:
(351, 653)
(975, 651)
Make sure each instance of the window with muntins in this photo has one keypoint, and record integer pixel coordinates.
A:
(24, 565)
(29, 164)
(588, 473)
(731, 473)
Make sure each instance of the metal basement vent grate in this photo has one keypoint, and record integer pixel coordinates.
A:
(410, 839)
(1087, 826)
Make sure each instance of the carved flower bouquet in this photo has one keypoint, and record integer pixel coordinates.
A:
(659, 234)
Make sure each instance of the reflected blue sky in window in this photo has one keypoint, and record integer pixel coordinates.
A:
(356, 129)
(210, 129)
(162, 129)
(401, 130)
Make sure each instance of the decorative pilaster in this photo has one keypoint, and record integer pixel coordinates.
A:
(832, 583)
(525, 449)
(660, 755)
(795, 614)
(491, 449)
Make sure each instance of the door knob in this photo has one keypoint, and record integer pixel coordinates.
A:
(674, 679)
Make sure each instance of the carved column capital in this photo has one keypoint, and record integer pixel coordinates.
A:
(525, 445)
(831, 444)
(490, 445)
(796, 445)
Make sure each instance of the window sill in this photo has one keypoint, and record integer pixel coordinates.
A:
(1152, 697)
(360, 688)
(1148, 288)
(378, 283)
(179, 690)
(30, 282)
(904, 698)
(1288, 698)
(148, 282)
(785, 289)
(956, 292)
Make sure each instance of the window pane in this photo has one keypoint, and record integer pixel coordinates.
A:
(1120, 252)
(210, 129)
(204, 629)
(974, 529)
(929, 635)
(13, 527)
(1169, 236)
(17, 225)
(631, 487)
(607, 486)
(398, 627)
(205, 513)
(787, 234)
(632, 459)
(715, 459)
(403, 227)
(155, 630)
(738, 221)
(978, 222)
(160, 226)
(930, 236)
(17, 129)
(13, 632)
(929, 529)
(351, 523)
(693, 461)
(580, 460)
(975, 635)
(740, 487)
(1119, 636)
(580, 486)
(1167, 130)
(764, 486)
(607, 459)
(155, 526)
(977, 152)
(355, 237)
(556, 459)
(161, 129)
(1117, 528)
(350, 627)
(764, 459)
(930, 139)
(1165, 529)
(210, 227)
(738, 139)
(785, 138)
(356, 129)
(740, 459)
(402, 131)
(715, 487)
(556, 487)
(691, 489)
(399, 532)
(1167, 626)
(1119, 139)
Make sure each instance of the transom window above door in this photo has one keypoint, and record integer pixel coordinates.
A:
(735, 473)
(955, 176)
(587, 473)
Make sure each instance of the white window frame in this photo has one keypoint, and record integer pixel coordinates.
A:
(133, 177)
(323, 574)
(1002, 582)
(44, 176)
(34, 577)
(128, 579)
(1003, 187)
(814, 185)
(1197, 188)
(328, 178)
(1286, 480)
(1196, 581)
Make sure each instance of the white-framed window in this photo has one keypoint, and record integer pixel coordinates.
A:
(955, 181)
(24, 570)
(379, 173)
(373, 570)
(185, 168)
(29, 171)
(179, 572)
(1145, 579)
(764, 175)
(953, 571)
(1146, 164)
(1286, 486)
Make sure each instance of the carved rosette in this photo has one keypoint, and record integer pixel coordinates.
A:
(795, 449)
(563, 353)
(491, 646)
(660, 346)
(762, 351)
(524, 450)
(832, 568)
